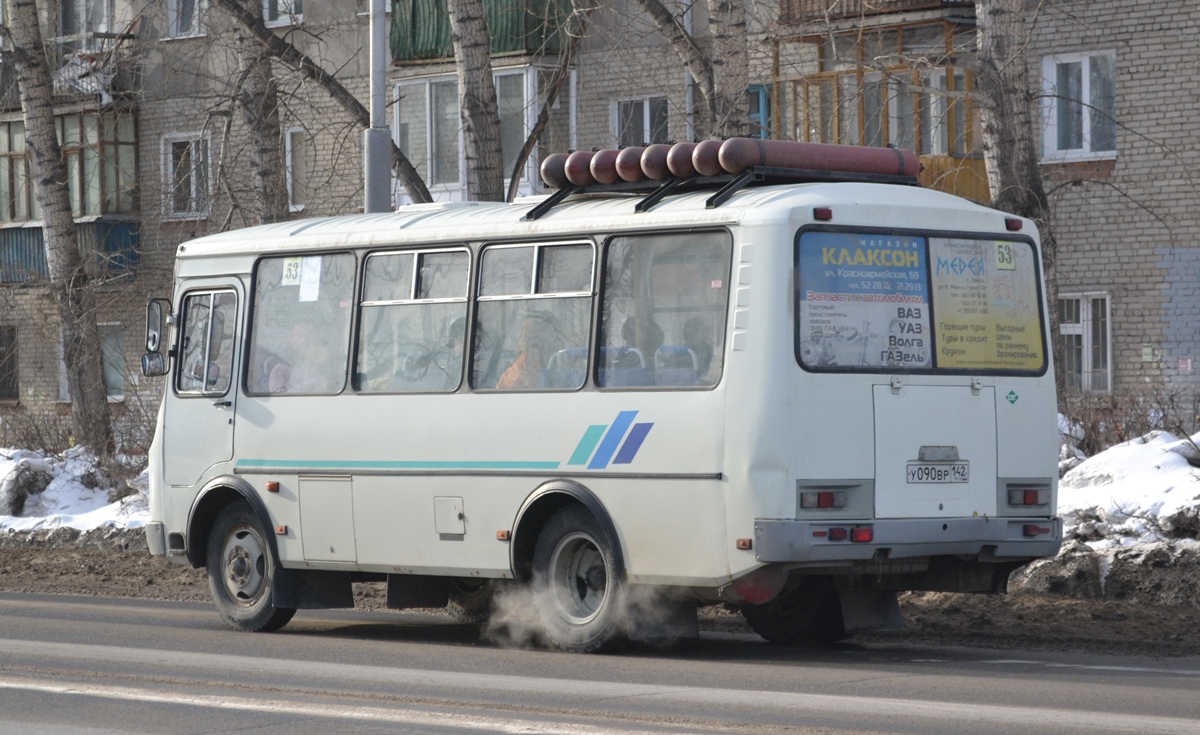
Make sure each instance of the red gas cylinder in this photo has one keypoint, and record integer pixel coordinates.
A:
(578, 168)
(629, 163)
(554, 171)
(679, 159)
(654, 161)
(604, 166)
(738, 154)
(704, 158)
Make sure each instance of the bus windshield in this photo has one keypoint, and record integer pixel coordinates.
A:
(867, 301)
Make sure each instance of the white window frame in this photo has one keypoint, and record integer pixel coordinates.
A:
(196, 30)
(422, 150)
(1088, 377)
(290, 164)
(645, 100)
(1050, 102)
(284, 17)
(201, 199)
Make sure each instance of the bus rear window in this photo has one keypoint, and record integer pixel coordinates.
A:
(871, 301)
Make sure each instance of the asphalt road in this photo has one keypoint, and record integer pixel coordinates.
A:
(91, 666)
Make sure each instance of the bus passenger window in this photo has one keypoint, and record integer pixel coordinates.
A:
(207, 348)
(662, 318)
(300, 328)
(534, 308)
(413, 323)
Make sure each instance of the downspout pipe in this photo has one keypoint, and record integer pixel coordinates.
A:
(377, 153)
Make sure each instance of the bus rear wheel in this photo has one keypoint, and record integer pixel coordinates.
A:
(806, 613)
(577, 589)
(241, 568)
(471, 600)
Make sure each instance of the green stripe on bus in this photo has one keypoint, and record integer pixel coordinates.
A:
(587, 444)
(317, 464)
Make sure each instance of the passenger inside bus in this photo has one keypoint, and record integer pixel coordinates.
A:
(534, 354)
(310, 369)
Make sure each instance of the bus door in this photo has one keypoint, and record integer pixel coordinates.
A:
(198, 423)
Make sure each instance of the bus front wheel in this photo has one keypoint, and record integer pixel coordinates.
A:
(241, 567)
(576, 587)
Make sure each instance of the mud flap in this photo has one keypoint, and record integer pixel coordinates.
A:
(870, 610)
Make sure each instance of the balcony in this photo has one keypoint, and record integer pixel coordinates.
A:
(23, 250)
(421, 28)
(815, 11)
(106, 65)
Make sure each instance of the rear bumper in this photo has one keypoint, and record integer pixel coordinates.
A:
(1000, 539)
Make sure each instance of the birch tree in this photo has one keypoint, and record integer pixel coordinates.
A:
(477, 95)
(68, 268)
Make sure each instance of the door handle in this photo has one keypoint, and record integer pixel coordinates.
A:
(222, 404)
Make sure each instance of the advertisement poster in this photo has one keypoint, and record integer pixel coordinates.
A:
(985, 298)
(863, 301)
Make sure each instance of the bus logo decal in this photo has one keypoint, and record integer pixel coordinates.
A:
(606, 441)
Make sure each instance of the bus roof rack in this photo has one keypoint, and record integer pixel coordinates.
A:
(727, 166)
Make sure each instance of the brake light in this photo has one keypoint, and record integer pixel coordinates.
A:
(823, 499)
(1035, 530)
(862, 535)
(838, 534)
(1025, 496)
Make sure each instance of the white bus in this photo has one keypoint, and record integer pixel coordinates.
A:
(797, 399)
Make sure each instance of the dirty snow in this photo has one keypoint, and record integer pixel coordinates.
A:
(1120, 497)
(76, 496)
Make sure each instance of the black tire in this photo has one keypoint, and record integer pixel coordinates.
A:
(577, 588)
(471, 600)
(241, 569)
(806, 613)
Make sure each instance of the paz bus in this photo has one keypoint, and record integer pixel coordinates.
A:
(779, 377)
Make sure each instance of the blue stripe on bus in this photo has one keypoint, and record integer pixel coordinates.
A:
(612, 440)
(590, 439)
(318, 464)
(633, 443)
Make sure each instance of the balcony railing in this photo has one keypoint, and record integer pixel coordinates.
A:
(102, 64)
(812, 11)
(421, 28)
(23, 249)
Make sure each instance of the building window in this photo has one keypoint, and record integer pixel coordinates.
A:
(1084, 327)
(642, 121)
(1080, 106)
(183, 18)
(759, 97)
(295, 152)
(9, 389)
(112, 348)
(185, 163)
(428, 127)
(283, 12)
(100, 153)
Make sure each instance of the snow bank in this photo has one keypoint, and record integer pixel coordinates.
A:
(75, 497)
(1132, 493)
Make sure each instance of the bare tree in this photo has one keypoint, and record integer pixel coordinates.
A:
(258, 98)
(68, 268)
(1008, 110)
(289, 55)
(477, 95)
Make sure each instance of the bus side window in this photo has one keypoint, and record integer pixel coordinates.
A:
(413, 324)
(207, 346)
(532, 318)
(300, 330)
(663, 306)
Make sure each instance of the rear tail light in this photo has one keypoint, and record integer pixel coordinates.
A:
(1032, 529)
(838, 534)
(862, 535)
(858, 535)
(1028, 496)
(823, 499)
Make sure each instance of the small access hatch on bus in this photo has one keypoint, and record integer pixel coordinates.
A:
(935, 451)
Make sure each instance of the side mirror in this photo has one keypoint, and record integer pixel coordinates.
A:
(153, 362)
(153, 365)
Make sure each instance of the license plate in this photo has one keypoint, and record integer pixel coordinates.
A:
(937, 472)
